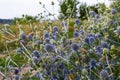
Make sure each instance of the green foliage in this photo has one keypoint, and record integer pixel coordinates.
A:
(116, 4)
(68, 7)
(25, 19)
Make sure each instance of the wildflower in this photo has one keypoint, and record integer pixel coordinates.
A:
(76, 34)
(35, 60)
(55, 29)
(98, 49)
(92, 13)
(19, 50)
(46, 35)
(97, 16)
(75, 46)
(47, 40)
(98, 35)
(49, 48)
(36, 54)
(105, 45)
(82, 32)
(77, 21)
(104, 74)
(23, 36)
(16, 77)
(37, 42)
(30, 37)
(16, 71)
(92, 63)
(113, 11)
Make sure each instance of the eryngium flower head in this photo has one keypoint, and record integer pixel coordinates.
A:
(113, 11)
(97, 16)
(98, 49)
(77, 21)
(37, 42)
(98, 35)
(23, 36)
(49, 48)
(46, 35)
(47, 40)
(75, 46)
(82, 32)
(105, 45)
(92, 63)
(30, 37)
(16, 71)
(55, 29)
(104, 74)
(76, 34)
(36, 54)
(35, 60)
(16, 77)
(92, 13)
(19, 50)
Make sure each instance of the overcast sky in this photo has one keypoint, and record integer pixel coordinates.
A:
(15, 8)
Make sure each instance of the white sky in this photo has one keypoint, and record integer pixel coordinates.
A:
(15, 8)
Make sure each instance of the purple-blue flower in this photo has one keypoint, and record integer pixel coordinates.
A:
(47, 40)
(76, 34)
(49, 48)
(104, 74)
(113, 11)
(77, 21)
(75, 46)
(55, 29)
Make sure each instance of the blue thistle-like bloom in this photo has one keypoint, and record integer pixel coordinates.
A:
(82, 32)
(97, 16)
(110, 23)
(98, 49)
(55, 29)
(38, 42)
(71, 71)
(77, 21)
(30, 37)
(64, 71)
(92, 63)
(39, 75)
(36, 54)
(76, 34)
(46, 35)
(105, 45)
(23, 36)
(49, 48)
(19, 50)
(35, 60)
(47, 40)
(75, 46)
(113, 11)
(92, 13)
(54, 36)
(16, 71)
(87, 40)
(54, 78)
(104, 74)
(16, 77)
(91, 39)
(98, 35)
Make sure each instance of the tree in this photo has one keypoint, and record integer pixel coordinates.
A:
(68, 8)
